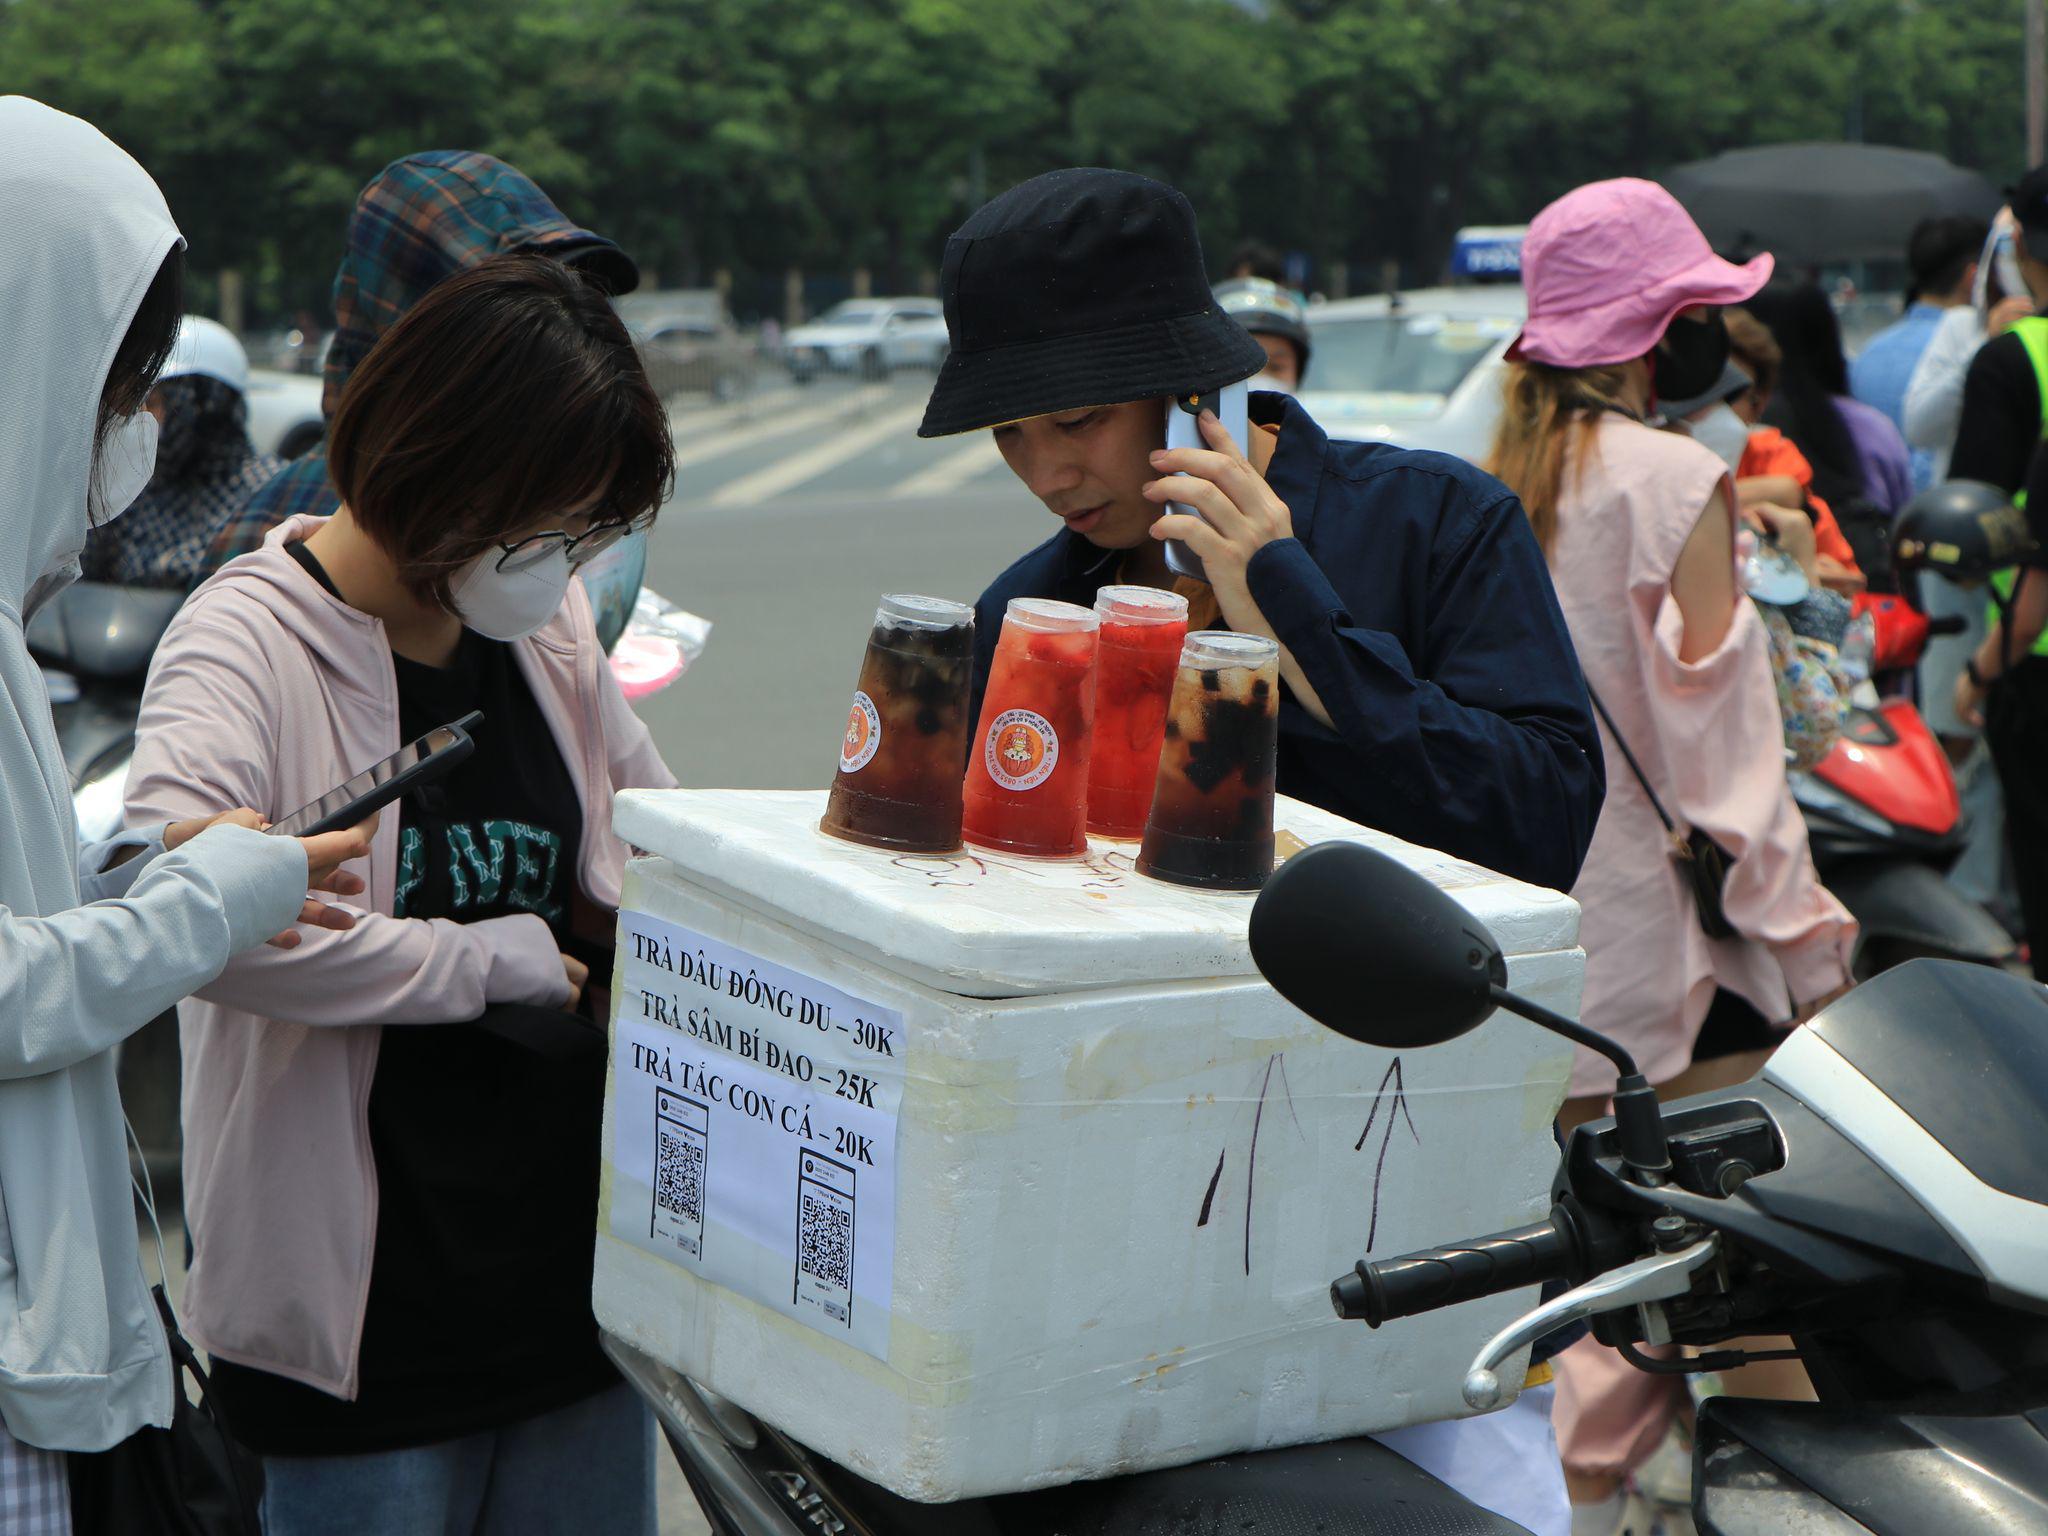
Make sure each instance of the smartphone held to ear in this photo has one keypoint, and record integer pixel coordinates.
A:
(1184, 430)
(411, 767)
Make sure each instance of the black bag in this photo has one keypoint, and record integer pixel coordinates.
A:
(1701, 861)
(192, 1479)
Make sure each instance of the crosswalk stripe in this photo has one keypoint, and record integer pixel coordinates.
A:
(954, 470)
(788, 473)
(712, 440)
(699, 418)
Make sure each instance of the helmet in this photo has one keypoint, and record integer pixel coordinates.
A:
(208, 347)
(1964, 530)
(1264, 308)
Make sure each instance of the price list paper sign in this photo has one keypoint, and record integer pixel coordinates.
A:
(754, 1128)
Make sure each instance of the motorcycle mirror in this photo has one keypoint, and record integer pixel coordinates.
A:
(1367, 947)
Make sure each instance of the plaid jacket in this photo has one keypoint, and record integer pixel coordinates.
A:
(421, 219)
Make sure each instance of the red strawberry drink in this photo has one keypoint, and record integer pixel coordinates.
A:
(1212, 811)
(1142, 630)
(1027, 774)
(899, 762)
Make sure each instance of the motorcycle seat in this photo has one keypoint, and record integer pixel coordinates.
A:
(1338, 1488)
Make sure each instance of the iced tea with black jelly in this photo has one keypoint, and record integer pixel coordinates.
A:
(1142, 630)
(1027, 775)
(1212, 808)
(898, 784)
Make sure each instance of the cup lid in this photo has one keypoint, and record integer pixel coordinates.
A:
(1141, 605)
(1050, 616)
(926, 612)
(1211, 649)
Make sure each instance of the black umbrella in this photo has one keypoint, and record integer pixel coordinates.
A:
(1810, 203)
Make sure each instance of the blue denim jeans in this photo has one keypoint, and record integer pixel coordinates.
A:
(585, 1468)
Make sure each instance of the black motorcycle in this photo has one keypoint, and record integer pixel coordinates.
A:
(1876, 1193)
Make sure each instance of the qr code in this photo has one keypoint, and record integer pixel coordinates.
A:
(679, 1175)
(825, 1241)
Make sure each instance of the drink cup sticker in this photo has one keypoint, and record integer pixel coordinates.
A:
(863, 735)
(1022, 749)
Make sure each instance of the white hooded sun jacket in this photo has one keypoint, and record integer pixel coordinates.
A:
(83, 1362)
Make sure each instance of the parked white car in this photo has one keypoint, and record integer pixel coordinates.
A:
(873, 337)
(284, 411)
(1420, 369)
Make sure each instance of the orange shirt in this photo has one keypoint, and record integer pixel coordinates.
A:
(1771, 452)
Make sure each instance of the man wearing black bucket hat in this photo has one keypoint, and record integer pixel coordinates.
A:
(1432, 689)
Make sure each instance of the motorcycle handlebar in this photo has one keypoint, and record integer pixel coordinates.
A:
(1440, 1277)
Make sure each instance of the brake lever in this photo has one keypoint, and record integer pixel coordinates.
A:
(1657, 1278)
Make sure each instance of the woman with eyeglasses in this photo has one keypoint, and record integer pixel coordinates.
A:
(391, 1142)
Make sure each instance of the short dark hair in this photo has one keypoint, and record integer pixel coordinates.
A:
(510, 392)
(1255, 258)
(1940, 252)
(145, 348)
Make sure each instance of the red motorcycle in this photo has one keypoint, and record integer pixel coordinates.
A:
(1883, 815)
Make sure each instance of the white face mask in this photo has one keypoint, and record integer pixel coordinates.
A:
(1271, 381)
(1723, 431)
(127, 461)
(511, 604)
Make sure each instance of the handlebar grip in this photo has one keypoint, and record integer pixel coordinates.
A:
(1441, 1277)
(1948, 624)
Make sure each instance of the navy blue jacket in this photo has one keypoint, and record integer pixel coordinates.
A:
(1416, 602)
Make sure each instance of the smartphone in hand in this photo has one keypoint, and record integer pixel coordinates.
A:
(1184, 430)
(411, 766)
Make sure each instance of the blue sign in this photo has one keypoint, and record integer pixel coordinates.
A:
(1489, 255)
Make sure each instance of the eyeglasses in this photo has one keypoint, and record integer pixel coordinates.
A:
(578, 548)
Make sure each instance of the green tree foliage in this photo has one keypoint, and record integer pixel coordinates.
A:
(758, 135)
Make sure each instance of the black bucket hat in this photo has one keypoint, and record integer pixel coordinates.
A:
(1079, 288)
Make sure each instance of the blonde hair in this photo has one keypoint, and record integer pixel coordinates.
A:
(1546, 418)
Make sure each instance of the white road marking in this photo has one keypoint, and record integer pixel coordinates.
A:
(773, 398)
(788, 473)
(946, 476)
(699, 441)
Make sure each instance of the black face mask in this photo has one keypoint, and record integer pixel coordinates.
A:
(1689, 360)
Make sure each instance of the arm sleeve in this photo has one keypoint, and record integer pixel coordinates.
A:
(100, 879)
(76, 983)
(2001, 421)
(1486, 742)
(1813, 692)
(1934, 395)
(1897, 469)
(1720, 733)
(204, 745)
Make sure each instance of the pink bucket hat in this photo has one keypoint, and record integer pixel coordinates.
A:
(1608, 265)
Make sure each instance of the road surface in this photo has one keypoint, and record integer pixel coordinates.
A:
(792, 515)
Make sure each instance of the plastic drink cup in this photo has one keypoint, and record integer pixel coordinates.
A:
(1142, 630)
(1212, 809)
(898, 784)
(1027, 775)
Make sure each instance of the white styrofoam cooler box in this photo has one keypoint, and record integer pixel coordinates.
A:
(980, 1174)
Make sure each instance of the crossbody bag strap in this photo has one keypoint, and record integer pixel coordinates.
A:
(1634, 767)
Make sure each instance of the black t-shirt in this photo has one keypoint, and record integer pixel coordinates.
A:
(2001, 421)
(2036, 485)
(486, 1151)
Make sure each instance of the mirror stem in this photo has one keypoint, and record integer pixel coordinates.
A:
(1638, 1122)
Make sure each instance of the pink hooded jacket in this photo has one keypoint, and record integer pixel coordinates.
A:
(267, 692)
